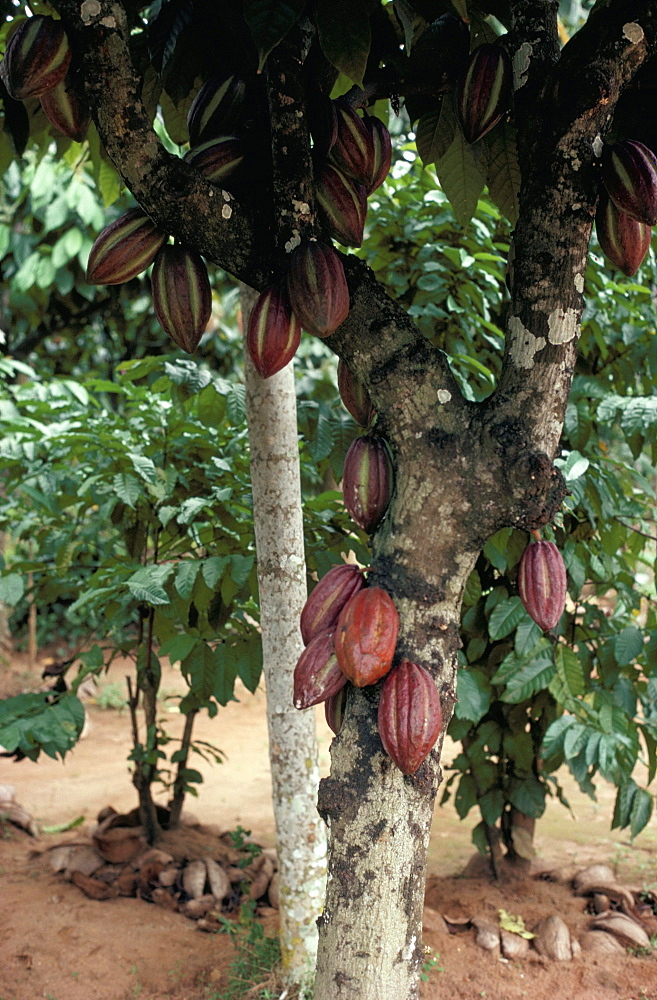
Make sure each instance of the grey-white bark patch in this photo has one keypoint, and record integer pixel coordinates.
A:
(293, 242)
(89, 9)
(226, 212)
(579, 283)
(562, 325)
(521, 62)
(598, 145)
(444, 396)
(524, 345)
(633, 32)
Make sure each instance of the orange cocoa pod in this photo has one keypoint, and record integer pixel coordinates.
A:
(366, 636)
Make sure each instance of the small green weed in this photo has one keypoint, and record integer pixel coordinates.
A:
(240, 843)
(252, 969)
(112, 696)
(429, 964)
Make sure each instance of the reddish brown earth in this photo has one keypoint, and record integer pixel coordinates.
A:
(57, 944)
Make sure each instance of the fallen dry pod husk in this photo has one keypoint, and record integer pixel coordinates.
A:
(120, 843)
(513, 946)
(627, 930)
(487, 934)
(273, 892)
(194, 878)
(602, 943)
(553, 939)
(262, 879)
(94, 888)
(198, 907)
(217, 879)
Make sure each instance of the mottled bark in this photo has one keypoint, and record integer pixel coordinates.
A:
(277, 515)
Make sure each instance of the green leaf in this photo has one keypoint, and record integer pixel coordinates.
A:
(570, 670)
(435, 132)
(628, 644)
(12, 588)
(127, 488)
(344, 35)
(528, 797)
(506, 617)
(211, 407)
(269, 21)
(642, 807)
(147, 584)
(460, 179)
(491, 806)
(213, 568)
(497, 159)
(226, 664)
(32, 723)
(178, 647)
(186, 577)
(466, 795)
(472, 589)
(474, 694)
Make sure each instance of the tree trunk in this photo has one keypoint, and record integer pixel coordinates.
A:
(300, 833)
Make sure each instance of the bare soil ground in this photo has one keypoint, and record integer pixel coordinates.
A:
(57, 944)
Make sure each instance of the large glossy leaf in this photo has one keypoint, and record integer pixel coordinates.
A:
(497, 159)
(269, 21)
(435, 132)
(344, 35)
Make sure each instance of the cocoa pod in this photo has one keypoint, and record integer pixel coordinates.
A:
(334, 708)
(66, 109)
(623, 240)
(36, 59)
(217, 109)
(382, 152)
(410, 717)
(366, 636)
(317, 287)
(322, 609)
(355, 396)
(274, 333)
(342, 204)
(217, 159)
(542, 583)
(367, 481)
(182, 297)
(317, 675)
(484, 93)
(353, 149)
(124, 249)
(629, 173)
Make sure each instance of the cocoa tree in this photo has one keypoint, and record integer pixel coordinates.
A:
(464, 469)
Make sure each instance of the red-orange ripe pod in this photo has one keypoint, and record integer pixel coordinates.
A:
(366, 636)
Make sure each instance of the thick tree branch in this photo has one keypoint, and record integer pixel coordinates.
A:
(559, 140)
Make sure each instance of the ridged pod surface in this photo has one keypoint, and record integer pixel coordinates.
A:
(342, 204)
(317, 287)
(484, 93)
(317, 675)
(36, 59)
(353, 149)
(382, 152)
(124, 249)
(217, 108)
(322, 609)
(542, 583)
(274, 333)
(410, 717)
(366, 636)
(355, 396)
(367, 480)
(182, 297)
(334, 710)
(66, 108)
(217, 159)
(629, 173)
(623, 240)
